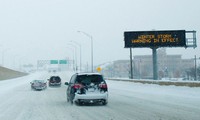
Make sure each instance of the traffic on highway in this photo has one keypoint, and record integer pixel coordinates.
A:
(99, 60)
(126, 100)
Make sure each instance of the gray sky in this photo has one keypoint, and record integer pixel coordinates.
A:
(33, 30)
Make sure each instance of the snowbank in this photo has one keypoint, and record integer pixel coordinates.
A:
(160, 82)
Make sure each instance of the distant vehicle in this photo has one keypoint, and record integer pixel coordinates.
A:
(87, 88)
(38, 84)
(54, 81)
(53, 70)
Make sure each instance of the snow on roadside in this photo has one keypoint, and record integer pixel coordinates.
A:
(177, 95)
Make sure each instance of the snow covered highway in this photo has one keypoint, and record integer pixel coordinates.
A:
(127, 101)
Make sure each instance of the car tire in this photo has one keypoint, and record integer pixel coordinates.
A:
(104, 102)
(71, 101)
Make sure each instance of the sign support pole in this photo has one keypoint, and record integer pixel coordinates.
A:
(195, 67)
(155, 63)
(131, 64)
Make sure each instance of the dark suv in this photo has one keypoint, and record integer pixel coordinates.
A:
(54, 81)
(87, 88)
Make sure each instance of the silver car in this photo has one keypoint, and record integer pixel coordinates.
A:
(38, 84)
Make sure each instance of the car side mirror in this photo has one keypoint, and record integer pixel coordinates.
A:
(66, 83)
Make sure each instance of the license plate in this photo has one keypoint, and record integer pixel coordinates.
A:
(91, 90)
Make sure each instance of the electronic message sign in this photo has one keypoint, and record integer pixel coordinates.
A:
(172, 38)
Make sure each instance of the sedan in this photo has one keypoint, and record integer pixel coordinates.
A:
(38, 84)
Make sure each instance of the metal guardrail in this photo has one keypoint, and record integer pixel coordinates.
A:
(160, 82)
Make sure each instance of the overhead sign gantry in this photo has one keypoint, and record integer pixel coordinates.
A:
(156, 39)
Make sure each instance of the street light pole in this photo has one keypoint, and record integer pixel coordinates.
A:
(74, 58)
(80, 53)
(75, 55)
(3, 55)
(91, 47)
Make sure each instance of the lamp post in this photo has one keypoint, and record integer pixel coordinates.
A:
(88, 35)
(3, 55)
(80, 53)
(20, 62)
(75, 56)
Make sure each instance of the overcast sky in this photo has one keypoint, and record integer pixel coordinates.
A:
(32, 30)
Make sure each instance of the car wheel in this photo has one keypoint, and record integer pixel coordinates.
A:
(104, 102)
(71, 101)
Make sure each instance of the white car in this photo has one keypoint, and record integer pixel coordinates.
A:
(87, 88)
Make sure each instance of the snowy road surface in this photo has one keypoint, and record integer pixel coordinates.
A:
(127, 101)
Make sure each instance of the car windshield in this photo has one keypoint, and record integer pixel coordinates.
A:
(39, 81)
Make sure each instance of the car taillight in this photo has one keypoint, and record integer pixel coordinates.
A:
(77, 86)
(103, 85)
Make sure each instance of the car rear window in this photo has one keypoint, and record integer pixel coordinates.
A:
(87, 79)
(56, 78)
(38, 81)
